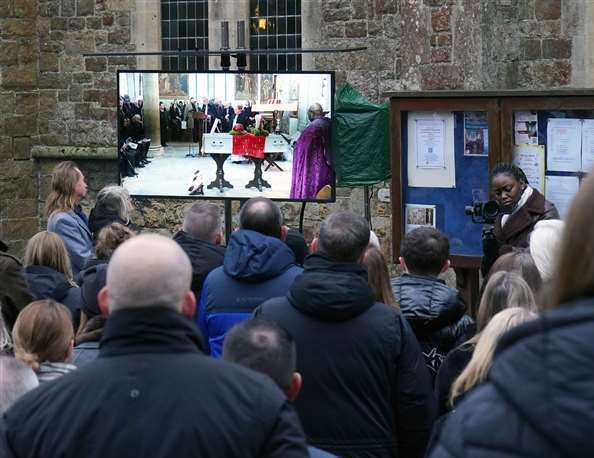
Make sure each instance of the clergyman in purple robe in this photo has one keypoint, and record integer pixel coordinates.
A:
(311, 157)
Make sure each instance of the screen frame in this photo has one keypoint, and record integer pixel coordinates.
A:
(332, 74)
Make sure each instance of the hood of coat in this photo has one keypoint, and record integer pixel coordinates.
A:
(45, 283)
(331, 290)
(427, 303)
(253, 257)
(101, 217)
(545, 370)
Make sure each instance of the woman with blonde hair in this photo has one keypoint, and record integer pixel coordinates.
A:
(43, 339)
(482, 357)
(503, 290)
(113, 205)
(65, 215)
(378, 276)
(48, 272)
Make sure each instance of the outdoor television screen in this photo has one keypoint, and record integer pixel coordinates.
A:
(226, 135)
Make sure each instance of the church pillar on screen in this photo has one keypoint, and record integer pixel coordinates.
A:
(150, 93)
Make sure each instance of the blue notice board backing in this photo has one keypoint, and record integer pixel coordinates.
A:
(472, 183)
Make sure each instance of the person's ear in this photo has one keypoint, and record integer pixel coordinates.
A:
(295, 388)
(284, 232)
(446, 265)
(403, 263)
(314, 245)
(189, 305)
(103, 301)
(219, 239)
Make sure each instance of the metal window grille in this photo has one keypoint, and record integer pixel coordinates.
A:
(275, 24)
(184, 25)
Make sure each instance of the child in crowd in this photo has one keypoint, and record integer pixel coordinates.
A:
(436, 312)
(44, 338)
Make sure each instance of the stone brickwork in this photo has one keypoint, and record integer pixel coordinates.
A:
(55, 104)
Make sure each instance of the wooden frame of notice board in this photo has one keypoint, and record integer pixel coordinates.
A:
(500, 107)
(466, 266)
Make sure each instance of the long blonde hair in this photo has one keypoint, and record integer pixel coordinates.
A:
(62, 197)
(378, 276)
(47, 249)
(504, 290)
(43, 332)
(482, 358)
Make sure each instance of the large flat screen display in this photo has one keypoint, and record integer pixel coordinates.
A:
(226, 135)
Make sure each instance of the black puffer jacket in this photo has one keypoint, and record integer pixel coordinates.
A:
(538, 400)
(366, 392)
(437, 314)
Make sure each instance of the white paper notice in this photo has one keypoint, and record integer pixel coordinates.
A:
(588, 145)
(560, 191)
(430, 136)
(531, 159)
(564, 145)
(525, 128)
(430, 150)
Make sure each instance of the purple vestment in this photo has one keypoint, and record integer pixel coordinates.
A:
(311, 159)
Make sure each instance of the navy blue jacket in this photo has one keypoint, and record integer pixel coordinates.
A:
(152, 393)
(539, 397)
(47, 283)
(366, 391)
(256, 268)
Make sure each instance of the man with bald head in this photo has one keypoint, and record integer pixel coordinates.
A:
(201, 239)
(152, 392)
(258, 265)
(312, 165)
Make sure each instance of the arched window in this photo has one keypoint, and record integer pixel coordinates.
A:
(184, 25)
(275, 24)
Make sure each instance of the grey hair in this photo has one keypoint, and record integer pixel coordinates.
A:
(202, 221)
(116, 199)
(17, 379)
(344, 236)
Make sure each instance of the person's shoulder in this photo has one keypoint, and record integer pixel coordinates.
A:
(7, 261)
(484, 420)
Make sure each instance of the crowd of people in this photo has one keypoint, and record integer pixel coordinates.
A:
(116, 343)
(196, 117)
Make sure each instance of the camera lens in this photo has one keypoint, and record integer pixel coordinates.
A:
(491, 209)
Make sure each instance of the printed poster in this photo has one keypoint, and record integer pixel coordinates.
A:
(476, 133)
(564, 145)
(419, 216)
(526, 128)
(531, 159)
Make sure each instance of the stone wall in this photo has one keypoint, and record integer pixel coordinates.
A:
(57, 104)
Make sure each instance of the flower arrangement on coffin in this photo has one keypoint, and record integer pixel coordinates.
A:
(238, 129)
(259, 132)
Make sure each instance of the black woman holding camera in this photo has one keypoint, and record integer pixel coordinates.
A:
(521, 207)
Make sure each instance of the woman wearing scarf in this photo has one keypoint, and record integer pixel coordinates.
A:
(522, 205)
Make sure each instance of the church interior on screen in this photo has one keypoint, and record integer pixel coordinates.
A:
(230, 135)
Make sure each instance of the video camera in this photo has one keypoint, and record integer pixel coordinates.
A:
(484, 212)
